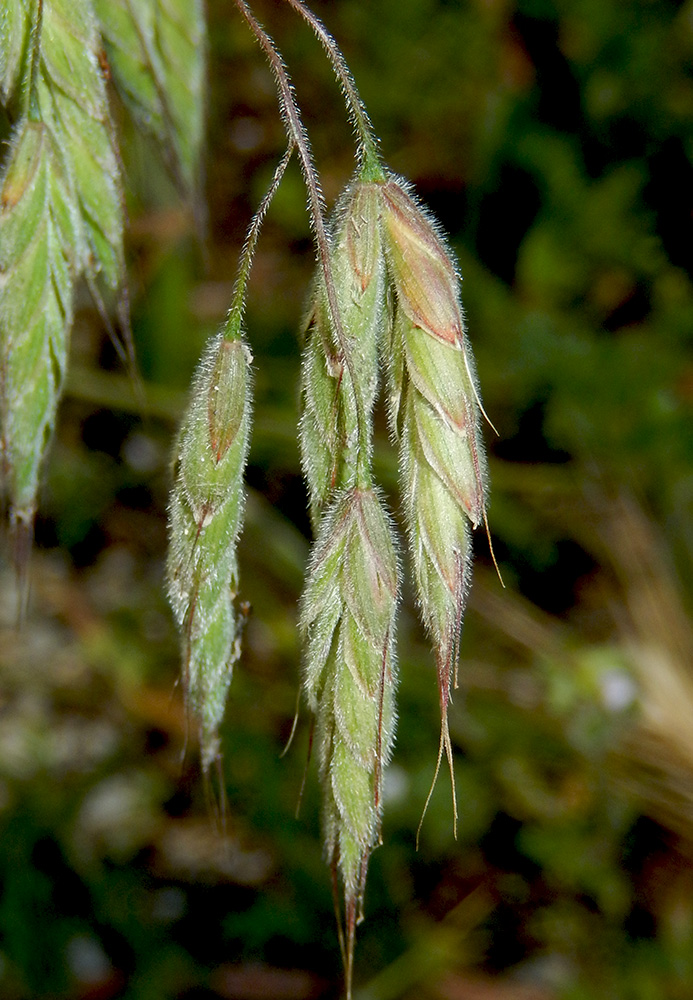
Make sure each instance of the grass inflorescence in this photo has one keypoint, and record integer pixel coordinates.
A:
(384, 318)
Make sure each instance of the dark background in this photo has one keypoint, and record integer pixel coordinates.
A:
(554, 141)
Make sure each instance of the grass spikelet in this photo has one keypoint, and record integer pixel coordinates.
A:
(204, 522)
(60, 217)
(347, 620)
(333, 407)
(37, 227)
(434, 410)
(156, 54)
(206, 507)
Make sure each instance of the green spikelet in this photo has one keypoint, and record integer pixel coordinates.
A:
(206, 508)
(156, 51)
(37, 229)
(15, 43)
(434, 409)
(347, 621)
(61, 216)
(332, 440)
(204, 522)
(72, 102)
(348, 609)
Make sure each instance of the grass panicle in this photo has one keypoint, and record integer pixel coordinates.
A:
(385, 299)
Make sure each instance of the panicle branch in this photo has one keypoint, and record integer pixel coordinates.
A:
(246, 261)
(371, 168)
(296, 131)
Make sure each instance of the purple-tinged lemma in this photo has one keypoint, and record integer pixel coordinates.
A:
(435, 415)
(398, 294)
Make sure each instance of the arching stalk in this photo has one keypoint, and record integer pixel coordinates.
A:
(371, 168)
(296, 131)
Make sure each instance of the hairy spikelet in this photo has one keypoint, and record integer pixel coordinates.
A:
(434, 410)
(206, 508)
(72, 103)
(348, 608)
(37, 230)
(62, 207)
(332, 442)
(15, 43)
(61, 217)
(156, 53)
(347, 620)
(204, 522)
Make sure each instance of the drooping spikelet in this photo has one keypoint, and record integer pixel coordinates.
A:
(204, 522)
(347, 620)
(37, 231)
(61, 217)
(349, 605)
(435, 412)
(336, 409)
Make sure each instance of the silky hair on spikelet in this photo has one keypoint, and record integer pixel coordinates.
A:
(434, 412)
(205, 516)
(338, 393)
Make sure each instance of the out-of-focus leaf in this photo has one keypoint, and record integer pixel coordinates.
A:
(73, 103)
(156, 51)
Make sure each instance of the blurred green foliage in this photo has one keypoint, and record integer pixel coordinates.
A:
(554, 141)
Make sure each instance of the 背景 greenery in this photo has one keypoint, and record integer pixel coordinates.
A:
(552, 142)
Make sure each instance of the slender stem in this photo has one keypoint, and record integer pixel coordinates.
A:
(368, 142)
(297, 132)
(232, 329)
